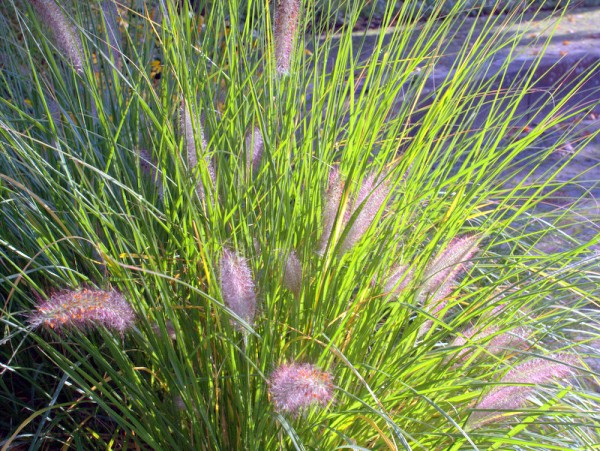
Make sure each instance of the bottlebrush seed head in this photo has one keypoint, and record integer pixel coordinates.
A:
(331, 203)
(292, 277)
(399, 278)
(187, 130)
(254, 149)
(296, 386)
(435, 306)
(237, 286)
(369, 201)
(82, 309)
(516, 338)
(186, 127)
(110, 14)
(168, 326)
(535, 371)
(285, 26)
(540, 371)
(449, 263)
(65, 35)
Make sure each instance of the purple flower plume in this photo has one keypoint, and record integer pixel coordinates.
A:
(110, 14)
(65, 35)
(449, 263)
(331, 204)
(82, 309)
(441, 274)
(186, 127)
(365, 206)
(254, 149)
(399, 278)
(292, 277)
(370, 199)
(516, 338)
(297, 386)
(285, 25)
(237, 286)
(536, 371)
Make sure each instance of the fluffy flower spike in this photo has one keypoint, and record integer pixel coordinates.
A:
(65, 35)
(365, 206)
(449, 263)
(369, 201)
(441, 274)
(331, 203)
(285, 26)
(400, 276)
(533, 372)
(237, 286)
(82, 309)
(110, 14)
(254, 149)
(292, 277)
(297, 386)
(516, 338)
(186, 127)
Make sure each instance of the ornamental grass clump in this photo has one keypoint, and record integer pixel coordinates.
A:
(84, 309)
(295, 387)
(384, 225)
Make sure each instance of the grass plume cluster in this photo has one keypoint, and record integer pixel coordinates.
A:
(308, 248)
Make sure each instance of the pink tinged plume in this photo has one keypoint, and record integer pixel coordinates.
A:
(254, 149)
(533, 372)
(186, 127)
(237, 286)
(449, 263)
(441, 274)
(65, 35)
(331, 202)
(435, 306)
(296, 387)
(292, 277)
(168, 327)
(285, 26)
(517, 338)
(399, 278)
(84, 309)
(370, 199)
(110, 14)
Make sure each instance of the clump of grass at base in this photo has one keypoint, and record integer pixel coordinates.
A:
(360, 275)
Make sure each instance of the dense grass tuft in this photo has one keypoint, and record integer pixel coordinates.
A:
(319, 250)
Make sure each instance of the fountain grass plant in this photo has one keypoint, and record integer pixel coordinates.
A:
(329, 192)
